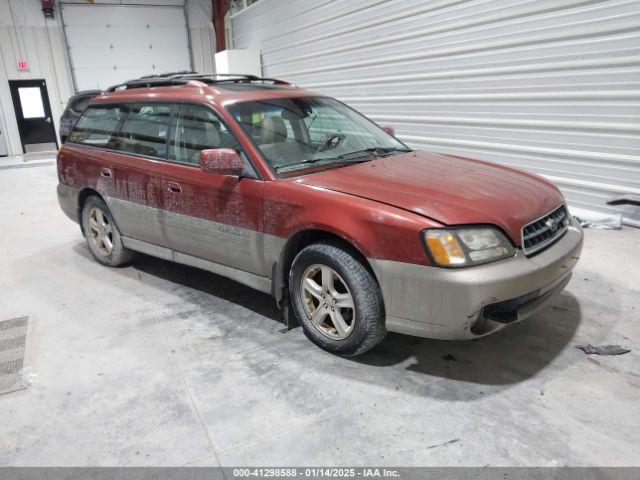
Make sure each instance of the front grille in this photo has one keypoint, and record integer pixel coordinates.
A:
(544, 231)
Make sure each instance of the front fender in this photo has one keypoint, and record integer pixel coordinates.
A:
(376, 230)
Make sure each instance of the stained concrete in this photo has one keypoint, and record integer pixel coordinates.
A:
(159, 364)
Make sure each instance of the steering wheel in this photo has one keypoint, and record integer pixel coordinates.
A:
(334, 141)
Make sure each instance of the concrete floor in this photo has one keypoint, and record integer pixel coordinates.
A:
(159, 364)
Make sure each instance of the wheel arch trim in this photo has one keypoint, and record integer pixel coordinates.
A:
(301, 238)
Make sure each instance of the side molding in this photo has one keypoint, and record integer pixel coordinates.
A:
(252, 280)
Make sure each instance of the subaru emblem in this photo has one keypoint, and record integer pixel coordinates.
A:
(552, 224)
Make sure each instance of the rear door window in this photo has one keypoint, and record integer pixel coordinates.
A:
(97, 126)
(144, 130)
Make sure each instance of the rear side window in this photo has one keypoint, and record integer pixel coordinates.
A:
(97, 126)
(195, 128)
(144, 130)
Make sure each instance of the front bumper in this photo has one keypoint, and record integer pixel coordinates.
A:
(466, 303)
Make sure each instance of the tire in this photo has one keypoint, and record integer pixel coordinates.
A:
(102, 234)
(352, 318)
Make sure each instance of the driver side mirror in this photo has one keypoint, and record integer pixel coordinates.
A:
(390, 130)
(223, 161)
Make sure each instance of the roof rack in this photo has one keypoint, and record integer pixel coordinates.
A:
(146, 83)
(229, 78)
(169, 74)
(182, 78)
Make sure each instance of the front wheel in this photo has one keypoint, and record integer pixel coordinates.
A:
(337, 300)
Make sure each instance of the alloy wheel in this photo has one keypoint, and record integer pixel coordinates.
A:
(328, 302)
(100, 232)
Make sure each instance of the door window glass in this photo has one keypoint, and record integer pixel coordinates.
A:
(97, 126)
(144, 130)
(31, 102)
(195, 128)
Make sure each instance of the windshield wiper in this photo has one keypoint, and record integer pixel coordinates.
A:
(355, 157)
(358, 154)
(300, 162)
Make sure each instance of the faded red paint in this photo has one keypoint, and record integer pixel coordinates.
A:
(220, 198)
(379, 206)
(377, 230)
(450, 190)
(223, 161)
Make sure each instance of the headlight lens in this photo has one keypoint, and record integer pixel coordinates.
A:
(461, 247)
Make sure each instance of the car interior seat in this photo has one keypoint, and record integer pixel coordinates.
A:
(199, 136)
(274, 142)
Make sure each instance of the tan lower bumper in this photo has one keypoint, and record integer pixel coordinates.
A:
(68, 201)
(449, 303)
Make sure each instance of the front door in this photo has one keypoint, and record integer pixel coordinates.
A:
(209, 216)
(33, 114)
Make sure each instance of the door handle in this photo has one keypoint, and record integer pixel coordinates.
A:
(105, 172)
(174, 187)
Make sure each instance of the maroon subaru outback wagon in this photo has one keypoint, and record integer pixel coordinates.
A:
(298, 195)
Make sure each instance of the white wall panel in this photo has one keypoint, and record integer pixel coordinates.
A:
(549, 86)
(203, 37)
(109, 44)
(25, 34)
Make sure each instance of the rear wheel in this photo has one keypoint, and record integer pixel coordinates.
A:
(337, 300)
(102, 234)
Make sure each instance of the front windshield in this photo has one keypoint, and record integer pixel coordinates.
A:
(294, 132)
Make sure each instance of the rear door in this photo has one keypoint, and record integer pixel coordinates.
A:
(209, 216)
(138, 152)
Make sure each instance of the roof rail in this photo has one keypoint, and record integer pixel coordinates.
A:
(147, 83)
(229, 78)
(169, 74)
(182, 78)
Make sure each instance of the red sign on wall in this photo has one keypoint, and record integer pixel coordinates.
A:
(23, 65)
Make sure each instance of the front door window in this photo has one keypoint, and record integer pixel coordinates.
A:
(195, 128)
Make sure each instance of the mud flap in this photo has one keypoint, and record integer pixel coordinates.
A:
(290, 320)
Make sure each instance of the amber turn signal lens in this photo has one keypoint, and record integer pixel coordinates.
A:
(445, 248)
(462, 247)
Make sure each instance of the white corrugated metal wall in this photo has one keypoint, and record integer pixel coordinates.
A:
(551, 86)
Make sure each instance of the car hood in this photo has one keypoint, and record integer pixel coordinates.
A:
(451, 190)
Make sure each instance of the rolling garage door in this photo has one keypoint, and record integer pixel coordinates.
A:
(548, 86)
(109, 44)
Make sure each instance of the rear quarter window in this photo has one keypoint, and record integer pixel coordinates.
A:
(97, 126)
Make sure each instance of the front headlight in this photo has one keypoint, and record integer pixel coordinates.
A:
(463, 247)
